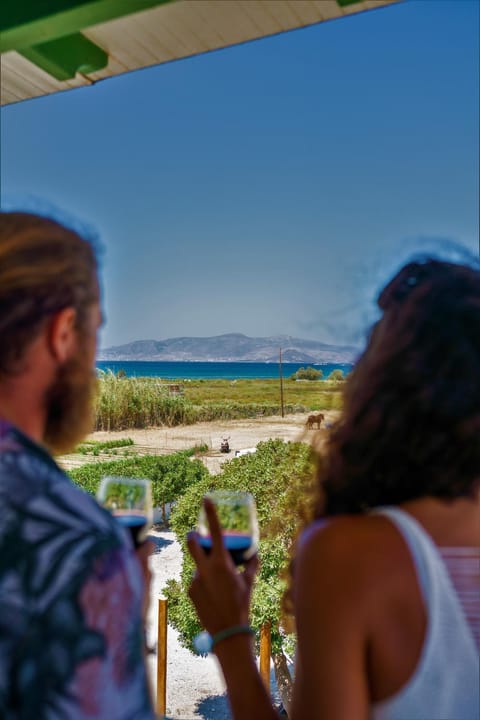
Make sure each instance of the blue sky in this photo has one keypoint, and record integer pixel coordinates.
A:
(267, 188)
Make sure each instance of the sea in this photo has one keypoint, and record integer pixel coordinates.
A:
(212, 370)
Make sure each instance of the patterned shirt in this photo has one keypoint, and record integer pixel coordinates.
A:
(71, 635)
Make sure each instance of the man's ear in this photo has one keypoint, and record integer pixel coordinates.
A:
(62, 335)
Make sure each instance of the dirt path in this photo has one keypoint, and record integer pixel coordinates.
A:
(195, 688)
(242, 434)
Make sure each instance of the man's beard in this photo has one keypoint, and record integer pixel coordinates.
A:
(70, 413)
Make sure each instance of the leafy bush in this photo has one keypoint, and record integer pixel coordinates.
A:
(308, 373)
(336, 375)
(279, 475)
(171, 475)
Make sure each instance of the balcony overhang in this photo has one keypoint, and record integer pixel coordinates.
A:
(52, 45)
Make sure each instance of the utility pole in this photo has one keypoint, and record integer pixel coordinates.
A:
(281, 383)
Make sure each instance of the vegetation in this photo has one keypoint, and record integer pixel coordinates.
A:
(308, 373)
(279, 475)
(94, 447)
(336, 375)
(127, 403)
(171, 475)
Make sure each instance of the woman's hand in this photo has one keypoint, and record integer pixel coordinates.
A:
(220, 593)
(221, 596)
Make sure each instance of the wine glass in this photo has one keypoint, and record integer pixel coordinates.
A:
(130, 502)
(237, 515)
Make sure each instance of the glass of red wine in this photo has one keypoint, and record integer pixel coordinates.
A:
(237, 514)
(130, 502)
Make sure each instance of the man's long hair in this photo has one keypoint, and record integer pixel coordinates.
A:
(44, 268)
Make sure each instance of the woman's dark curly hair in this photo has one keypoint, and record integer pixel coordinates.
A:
(411, 420)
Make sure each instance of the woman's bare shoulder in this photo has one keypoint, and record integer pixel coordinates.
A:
(363, 545)
(340, 528)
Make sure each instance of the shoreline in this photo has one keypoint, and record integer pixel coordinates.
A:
(217, 370)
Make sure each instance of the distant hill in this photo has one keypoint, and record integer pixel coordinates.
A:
(232, 347)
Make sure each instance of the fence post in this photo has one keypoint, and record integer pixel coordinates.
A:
(162, 657)
(265, 653)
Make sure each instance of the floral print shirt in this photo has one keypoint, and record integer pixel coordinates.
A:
(71, 636)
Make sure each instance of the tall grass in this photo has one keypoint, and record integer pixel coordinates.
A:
(130, 402)
(125, 403)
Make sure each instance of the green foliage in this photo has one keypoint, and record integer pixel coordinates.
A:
(328, 401)
(336, 375)
(308, 373)
(105, 444)
(171, 475)
(97, 446)
(280, 476)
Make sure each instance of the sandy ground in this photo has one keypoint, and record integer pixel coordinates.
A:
(195, 688)
(242, 434)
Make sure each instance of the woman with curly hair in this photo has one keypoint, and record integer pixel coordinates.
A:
(386, 579)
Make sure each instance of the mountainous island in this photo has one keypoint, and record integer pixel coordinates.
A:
(232, 347)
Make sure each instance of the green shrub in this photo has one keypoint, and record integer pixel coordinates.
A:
(279, 475)
(171, 475)
(308, 373)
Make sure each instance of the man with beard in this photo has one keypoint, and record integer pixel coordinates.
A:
(71, 584)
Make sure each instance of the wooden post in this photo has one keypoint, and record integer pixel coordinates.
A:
(162, 657)
(281, 382)
(265, 653)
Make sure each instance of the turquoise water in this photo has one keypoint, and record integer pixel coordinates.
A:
(211, 370)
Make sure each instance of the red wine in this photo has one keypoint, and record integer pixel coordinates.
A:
(137, 524)
(237, 545)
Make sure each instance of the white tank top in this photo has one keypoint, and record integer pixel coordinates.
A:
(446, 682)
